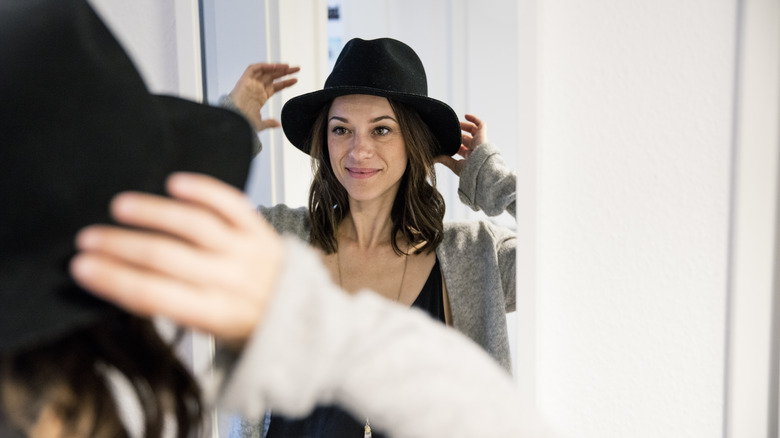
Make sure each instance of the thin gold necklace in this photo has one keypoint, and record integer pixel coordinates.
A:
(367, 427)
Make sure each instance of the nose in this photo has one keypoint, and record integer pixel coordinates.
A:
(362, 147)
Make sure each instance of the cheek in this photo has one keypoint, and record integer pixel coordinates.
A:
(335, 156)
(402, 157)
(337, 146)
(334, 166)
(332, 151)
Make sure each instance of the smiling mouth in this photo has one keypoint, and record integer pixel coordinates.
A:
(361, 173)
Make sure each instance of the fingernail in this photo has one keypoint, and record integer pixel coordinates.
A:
(81, 267)
(180, 181)
(122, 205)
(87, 238)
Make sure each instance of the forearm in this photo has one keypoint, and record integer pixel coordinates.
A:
(487, 183)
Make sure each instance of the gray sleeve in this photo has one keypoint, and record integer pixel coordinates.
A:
(225, 101)
(288, 221)
(486, 183)
(409, 375)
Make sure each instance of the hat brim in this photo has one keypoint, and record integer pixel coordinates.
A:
(300, 112)
(214, 141)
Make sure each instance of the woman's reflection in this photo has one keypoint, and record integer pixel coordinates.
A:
(374, 211)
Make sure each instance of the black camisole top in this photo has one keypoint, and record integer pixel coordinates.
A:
(333, 422)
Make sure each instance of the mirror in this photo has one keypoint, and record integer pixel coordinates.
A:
(461, 67)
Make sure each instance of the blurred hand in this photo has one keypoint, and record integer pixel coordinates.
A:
(256, 85)
(204, 259)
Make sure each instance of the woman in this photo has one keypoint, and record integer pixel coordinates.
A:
(375, 213)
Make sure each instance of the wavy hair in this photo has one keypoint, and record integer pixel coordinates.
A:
(418, 210)
(69, 377)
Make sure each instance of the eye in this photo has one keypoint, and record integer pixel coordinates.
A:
(339, 130)
(381, 130)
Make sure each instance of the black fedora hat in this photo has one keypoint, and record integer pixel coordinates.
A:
(381, 67)
(79, 126)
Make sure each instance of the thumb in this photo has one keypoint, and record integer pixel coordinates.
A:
(451, 163)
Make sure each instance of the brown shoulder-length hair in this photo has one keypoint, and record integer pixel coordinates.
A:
(418, 211)
(68, 377)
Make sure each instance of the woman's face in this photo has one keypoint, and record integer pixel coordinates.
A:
(367, 151)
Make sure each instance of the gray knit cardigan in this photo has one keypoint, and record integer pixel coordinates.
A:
(477, 257)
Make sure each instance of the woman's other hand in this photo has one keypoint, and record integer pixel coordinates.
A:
(474, 134)
(203, 258)
(256, 85)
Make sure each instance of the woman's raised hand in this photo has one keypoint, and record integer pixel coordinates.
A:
(203, 258)
(256, 85)
(474, 134)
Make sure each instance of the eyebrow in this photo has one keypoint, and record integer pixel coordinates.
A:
(380, 118)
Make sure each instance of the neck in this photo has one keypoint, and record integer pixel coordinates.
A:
(367, 232)
(368, 224)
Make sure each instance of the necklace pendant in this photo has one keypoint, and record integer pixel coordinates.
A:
(367, 430)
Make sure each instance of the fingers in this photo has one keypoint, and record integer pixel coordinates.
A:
(468, 127)
(256, 85)
(468, 143)
(474, 119)
(132, 288)
(267, 124)
(187, 222)
(212, 212)
(226, 201)
(263, 70)
(474, 131)
(472, 124)
(159, 253)
(149, 294)
(281, 85)
(453, 164)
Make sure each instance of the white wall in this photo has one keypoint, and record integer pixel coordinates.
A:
(634, 154)
(147, 30)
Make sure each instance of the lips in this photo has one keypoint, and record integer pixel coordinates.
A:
(361, 173)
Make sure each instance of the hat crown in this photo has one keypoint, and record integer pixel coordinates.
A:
(72, 139)
(380, 64)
